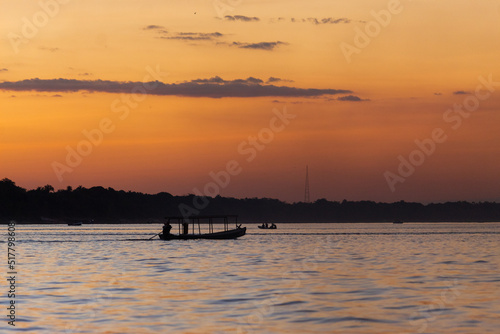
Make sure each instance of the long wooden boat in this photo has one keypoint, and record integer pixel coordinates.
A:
(194, 223)
(230, 234)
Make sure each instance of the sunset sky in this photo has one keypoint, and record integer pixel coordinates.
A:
(383, 100)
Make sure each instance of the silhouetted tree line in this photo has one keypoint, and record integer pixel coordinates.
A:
(109, 205)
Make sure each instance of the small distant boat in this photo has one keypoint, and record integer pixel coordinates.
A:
(265, 226)
(397, 222)
(185, 224)
(74, 224)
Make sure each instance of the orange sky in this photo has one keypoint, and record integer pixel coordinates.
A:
(418, 60)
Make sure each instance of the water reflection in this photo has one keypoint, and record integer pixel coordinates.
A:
(345, 278)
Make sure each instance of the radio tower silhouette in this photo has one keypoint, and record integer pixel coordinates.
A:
(306, 193)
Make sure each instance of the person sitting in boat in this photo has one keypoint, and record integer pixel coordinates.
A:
(166, 228)
(273, 225)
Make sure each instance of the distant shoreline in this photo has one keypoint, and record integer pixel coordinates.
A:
(100, 205)
(245, 222)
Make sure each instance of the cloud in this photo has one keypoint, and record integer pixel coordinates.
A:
(273, 79)
(194, 36)
(214, 87)
(214, 37)
(438, 94)
(154, 27)
(460, 92)
(290, 102)
(241, 18)
(313, 20)
(268, 46)
(3, 69)
(328, 20)
(57, 95)
(352, 98)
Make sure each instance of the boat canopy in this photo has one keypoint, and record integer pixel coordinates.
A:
(203, 219)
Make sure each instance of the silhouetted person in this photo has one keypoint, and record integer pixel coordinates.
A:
(166, 228)
(185, 227)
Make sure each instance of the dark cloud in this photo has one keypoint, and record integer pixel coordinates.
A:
(154, 27)
(460, 92)
(192, 36)
(214, 87)
(438, 94)
(85, 74)
(351, 98)
(57, 95)
(273, 79)
(241, 18)
(268, 46)
(3, 69)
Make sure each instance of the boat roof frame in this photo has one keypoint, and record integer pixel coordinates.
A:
(202, 217)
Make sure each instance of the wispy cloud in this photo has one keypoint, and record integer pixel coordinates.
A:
(4, 69)
(44, 48)
(214, 87)
(216, 38)
(154, 27)
(461, 92)
(273, 79)
(163, 33)
(268, 46)
(193, 36)
(241, 18)
(313, 20)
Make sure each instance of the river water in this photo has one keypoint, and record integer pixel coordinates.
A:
(317, 278)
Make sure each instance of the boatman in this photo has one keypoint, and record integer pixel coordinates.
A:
(166, 228)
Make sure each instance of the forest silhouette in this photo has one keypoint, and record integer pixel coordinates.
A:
(107, 205)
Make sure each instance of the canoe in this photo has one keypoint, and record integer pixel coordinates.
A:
(229, 234)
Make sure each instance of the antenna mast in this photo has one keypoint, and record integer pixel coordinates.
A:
(306, 193)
